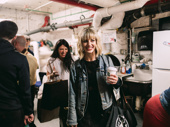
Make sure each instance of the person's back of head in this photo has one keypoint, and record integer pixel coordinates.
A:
(8, 29)
(19, 43)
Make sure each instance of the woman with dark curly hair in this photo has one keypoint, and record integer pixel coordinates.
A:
(58, 68)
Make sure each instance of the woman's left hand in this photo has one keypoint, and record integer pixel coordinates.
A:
(112, 79)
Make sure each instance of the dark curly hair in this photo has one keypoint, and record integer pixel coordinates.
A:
(68, 59)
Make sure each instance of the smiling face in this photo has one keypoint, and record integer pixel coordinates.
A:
(89, 46)
(88, 43)
(62, 51)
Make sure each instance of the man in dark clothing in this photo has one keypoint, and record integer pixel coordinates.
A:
(15, 94)
(28, 44)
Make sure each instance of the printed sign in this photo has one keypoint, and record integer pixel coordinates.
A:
(109, 36)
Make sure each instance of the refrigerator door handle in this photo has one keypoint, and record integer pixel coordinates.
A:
(162, 69)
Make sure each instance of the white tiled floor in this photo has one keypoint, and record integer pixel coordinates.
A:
(52, 123)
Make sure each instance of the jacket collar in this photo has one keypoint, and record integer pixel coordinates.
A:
(5, 46)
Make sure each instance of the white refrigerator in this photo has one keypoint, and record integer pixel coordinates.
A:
(161, 62)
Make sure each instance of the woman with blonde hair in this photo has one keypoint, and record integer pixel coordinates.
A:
(90, 96)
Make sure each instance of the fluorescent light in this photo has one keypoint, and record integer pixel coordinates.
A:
(3, 1)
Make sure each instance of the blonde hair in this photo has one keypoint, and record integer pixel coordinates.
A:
(87, 34)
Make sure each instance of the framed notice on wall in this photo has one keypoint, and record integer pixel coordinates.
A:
(109, 36)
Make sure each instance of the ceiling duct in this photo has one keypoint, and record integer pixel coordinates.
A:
(102, 3)
(145, 11)
(78, 4)
(117, 13)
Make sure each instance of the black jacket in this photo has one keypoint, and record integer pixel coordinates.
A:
(14, 79)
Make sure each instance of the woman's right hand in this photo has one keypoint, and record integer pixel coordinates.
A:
(52, 75)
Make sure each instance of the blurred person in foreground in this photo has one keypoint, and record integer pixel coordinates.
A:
(90, 96)
(15, 93)
(20, 45)
(157, 110)
(58, 68)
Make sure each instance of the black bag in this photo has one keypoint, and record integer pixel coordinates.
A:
(55, 94)
(121, 114)
(44, 115)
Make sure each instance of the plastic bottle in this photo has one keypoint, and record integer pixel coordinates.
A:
(135, 57)
(123, 67)
(128, 67)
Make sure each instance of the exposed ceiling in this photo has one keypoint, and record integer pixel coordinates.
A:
(53, 6)
(50, 6)
(39, 5)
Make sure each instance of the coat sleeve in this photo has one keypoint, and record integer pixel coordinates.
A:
(24, 87)
(72, 115)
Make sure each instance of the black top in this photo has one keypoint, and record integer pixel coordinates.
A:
(14, 79)
(94, 106)
(30, 51)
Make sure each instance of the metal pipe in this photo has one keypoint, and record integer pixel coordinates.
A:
(68, 15)
(74, 3)
(56, 26)
(38, 11)
(51, 14)
(145, 11)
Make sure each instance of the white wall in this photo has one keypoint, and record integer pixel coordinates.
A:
(25, 21)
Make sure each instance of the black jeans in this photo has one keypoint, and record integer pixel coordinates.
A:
(95, 120)
(12, 118)
(33, 92)
(63, 117)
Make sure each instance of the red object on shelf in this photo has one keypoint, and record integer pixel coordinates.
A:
(46, 21)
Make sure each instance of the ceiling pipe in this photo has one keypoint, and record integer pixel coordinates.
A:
(114, 23)
(111, 11)
(152, 2)
(99, 3)
(62, 25)
(43, 5)
(30, 10)
(102, 3)
(81, 5)
(145, 11)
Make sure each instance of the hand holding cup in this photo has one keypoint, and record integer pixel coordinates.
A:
(111, 78)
